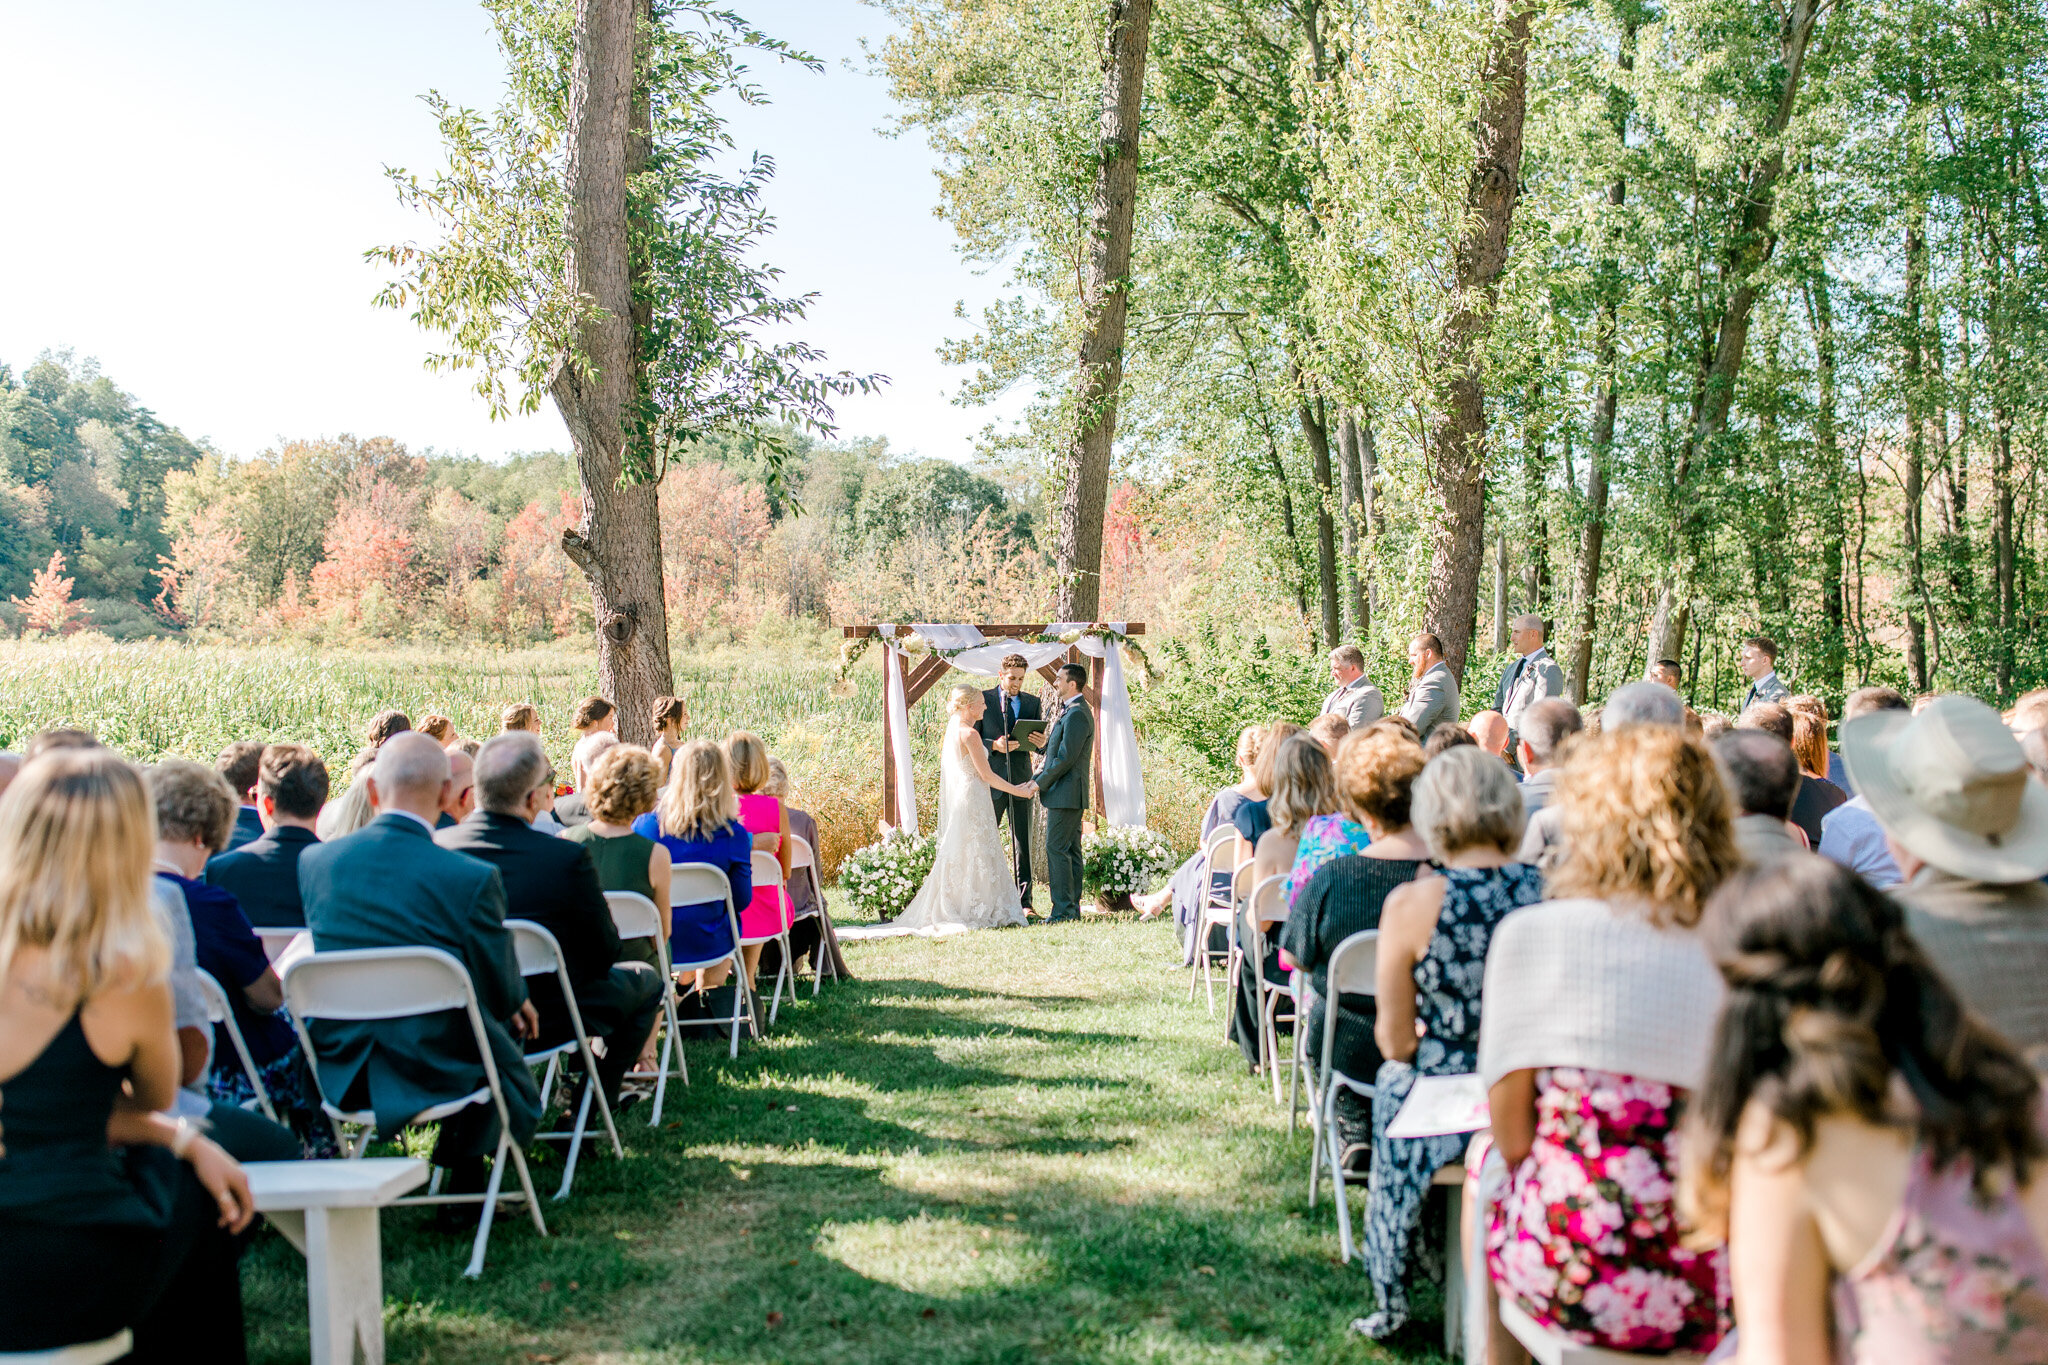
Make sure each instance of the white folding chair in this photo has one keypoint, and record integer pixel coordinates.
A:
(1351, 972)
(1266, 904)
(275, 941)
(1220, 854)
(803, 858)
(116, 1347)
(366, 984)
(768, 872)
(634, 916)
(539, 953)
(693, 884)
(220, 1012)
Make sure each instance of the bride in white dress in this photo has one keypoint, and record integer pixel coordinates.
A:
(971, 885)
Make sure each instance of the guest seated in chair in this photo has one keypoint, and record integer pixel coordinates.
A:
(1599, 1007)
(698, 821)
(195, 814)
(574, 809)
(112, 1214)
(1250, 819)
(813, 923)
(1432, 960)
(623, 786)
(553, 882)
(389, 886)
(768, 821)
(263, 875)
(239, 764)
(1302, 790)
(1876, 1148)
(1184, 890)
(1375, 776)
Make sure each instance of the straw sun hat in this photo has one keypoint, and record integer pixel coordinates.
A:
(1952, 787)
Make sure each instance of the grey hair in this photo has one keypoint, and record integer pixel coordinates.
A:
(1548, 724)
(1467, 798)
(588, 750)
(411, 764)
(1642, 703)
(508, 767)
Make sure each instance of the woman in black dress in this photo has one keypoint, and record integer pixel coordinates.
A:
(112, 1215)
(1376, 772)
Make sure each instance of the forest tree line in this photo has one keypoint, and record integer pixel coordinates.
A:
(1759, 351)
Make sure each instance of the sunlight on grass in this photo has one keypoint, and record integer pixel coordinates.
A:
(940, 1257)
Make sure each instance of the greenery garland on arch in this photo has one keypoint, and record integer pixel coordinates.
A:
(916, 646)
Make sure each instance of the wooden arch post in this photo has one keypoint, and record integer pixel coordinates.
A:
(918, 681)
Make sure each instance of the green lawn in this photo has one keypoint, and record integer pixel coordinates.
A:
(1018, 1146)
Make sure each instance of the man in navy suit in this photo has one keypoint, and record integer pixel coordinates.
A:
(388, 886)
(1063, 791)
(291, 786)
(553, 883)
(239, 763)
(1004, 705)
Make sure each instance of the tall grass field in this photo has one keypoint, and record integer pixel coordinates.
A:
(150, 699)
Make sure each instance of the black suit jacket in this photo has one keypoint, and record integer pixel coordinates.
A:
(264, 877)
(1015, 766)
(248, 828)
(548, 880)
(388, 886)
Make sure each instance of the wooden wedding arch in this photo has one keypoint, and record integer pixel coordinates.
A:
(918, 680)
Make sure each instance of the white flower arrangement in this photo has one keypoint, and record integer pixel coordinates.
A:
(1124, 859)
(880, 880)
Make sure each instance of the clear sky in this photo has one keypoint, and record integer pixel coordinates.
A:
(191, 187)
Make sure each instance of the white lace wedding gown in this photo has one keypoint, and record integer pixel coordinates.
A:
(971, 885)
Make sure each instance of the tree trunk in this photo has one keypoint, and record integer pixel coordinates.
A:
(1351, 481)
(1749, 250)
(1457, 439)
(1916, 448)
(617, 544)
(1832, 656)
(1500, 590)
(1105, 299)
(1593, 536)
(1315, 429)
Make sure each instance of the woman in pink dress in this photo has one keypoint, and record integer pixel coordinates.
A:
(769, 912)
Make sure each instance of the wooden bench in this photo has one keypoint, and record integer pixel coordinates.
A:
(328, 1210)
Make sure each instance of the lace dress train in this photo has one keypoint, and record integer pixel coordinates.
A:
(971, 885)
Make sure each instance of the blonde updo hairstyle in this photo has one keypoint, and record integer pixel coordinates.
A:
(78, 836)
(962, 695)
(625, 783)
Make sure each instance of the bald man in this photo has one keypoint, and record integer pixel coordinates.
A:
(388, 886)
(1490, 731)
(461, 788)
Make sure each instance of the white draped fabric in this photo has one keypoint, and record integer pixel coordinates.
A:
(1123, 784)
(899, 732)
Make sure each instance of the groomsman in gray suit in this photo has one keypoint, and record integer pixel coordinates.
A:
(1531, 678)
(1355, 699)
(1433, 695)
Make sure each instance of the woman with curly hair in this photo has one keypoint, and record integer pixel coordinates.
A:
(1873, 1144)
(1597, 1006)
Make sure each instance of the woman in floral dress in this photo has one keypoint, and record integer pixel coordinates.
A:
(1878, 1147)
(1600, 1009)
(1434, 934)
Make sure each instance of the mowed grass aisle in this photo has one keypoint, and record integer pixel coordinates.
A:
(1017, 1146)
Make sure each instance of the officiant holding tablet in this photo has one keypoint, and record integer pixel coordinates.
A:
(1008, 704)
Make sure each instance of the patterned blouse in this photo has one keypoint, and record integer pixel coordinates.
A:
(1324, 837)
(1586, 1236)
(1960, 1279)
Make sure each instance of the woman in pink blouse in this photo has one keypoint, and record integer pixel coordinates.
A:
(767, 819)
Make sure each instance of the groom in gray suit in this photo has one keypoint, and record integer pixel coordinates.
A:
(1063, 791)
